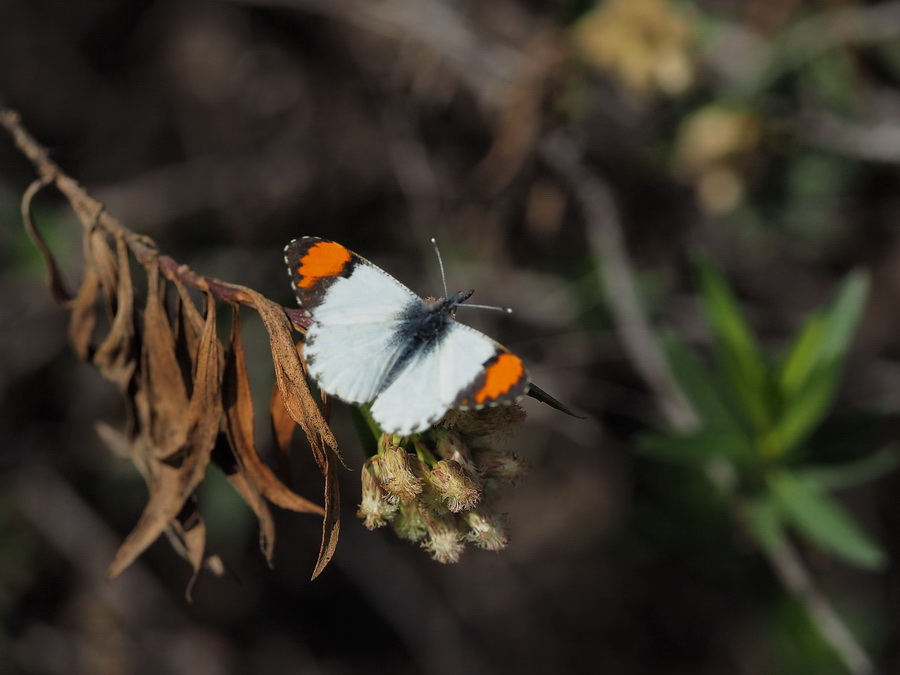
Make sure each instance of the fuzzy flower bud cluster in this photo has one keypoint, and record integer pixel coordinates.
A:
(440, 488)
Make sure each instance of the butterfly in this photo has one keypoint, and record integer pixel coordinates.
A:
(372, 340)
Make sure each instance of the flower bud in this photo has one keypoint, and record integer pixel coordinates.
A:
(408, 523)
(375, 508)
(458, 492)
(445, 536)
(397, 476)
(502, 465)
(487, 529)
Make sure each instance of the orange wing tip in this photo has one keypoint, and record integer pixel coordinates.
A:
(323, 259)
(500, 377)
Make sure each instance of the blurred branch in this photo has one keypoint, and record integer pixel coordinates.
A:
(810, 38)
(636, 335)
(487, 68)
(878, 142)
(796, 577)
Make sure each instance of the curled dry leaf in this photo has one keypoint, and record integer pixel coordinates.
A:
(224, 458)
(175, 480)
(115, 357)
(187, 535)
(300, 404)
(253, 478)
(283, 426)
(56, 282)
(168, 413)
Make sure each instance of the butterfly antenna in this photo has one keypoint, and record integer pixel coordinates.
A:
(508, 310)
(441, 265)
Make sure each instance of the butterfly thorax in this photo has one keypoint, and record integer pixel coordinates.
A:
(425, 322)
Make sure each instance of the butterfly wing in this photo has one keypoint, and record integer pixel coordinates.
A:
(356, 309)
(465, 369)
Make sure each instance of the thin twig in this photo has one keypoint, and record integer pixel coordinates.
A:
(636, 335)
(810, 38)
(796, 577)
(876, 142)
(92, 211)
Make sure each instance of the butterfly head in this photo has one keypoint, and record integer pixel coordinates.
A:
(449, 305)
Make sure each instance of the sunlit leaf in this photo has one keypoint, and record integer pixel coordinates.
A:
(239, 429)
(818, 518)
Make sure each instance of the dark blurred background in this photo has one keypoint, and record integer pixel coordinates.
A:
(763, 132)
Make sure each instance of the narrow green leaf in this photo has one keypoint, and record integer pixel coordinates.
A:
(820, 519)
(764, 522)
(698, 448)
(844, 314)
(702, 387)
(736, 347)
(801, 414)
(803, 356)
(851, 474)
(809, 376)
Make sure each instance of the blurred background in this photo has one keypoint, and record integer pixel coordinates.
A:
(764, 133)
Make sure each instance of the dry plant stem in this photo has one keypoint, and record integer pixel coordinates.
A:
(196, 429)
(793, 574)
(639, 342)
(91, 210)
(620, 290)
(828, 30)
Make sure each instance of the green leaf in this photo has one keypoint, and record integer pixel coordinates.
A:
(844, 314)
(764, 522)
(851, 474)
(701, 386)
(698, 448)
(803, 356)
(810, 374)
(820, 519)
(800, 415)
(736, 347)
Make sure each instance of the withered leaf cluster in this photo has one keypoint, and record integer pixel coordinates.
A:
(187, 396)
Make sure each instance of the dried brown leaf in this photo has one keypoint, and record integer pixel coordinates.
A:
(283, 426)
(83, 318)
(239, 426)
(99, 256)
(186, 340)
(302, 407)
(168, 397)
(173, 483)
(187, 535)
(58, 286)
(331, 525)
(190, 314)
(115, 357)
(225, 458)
